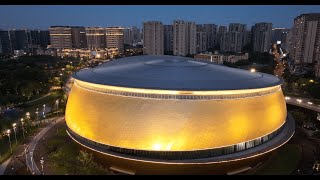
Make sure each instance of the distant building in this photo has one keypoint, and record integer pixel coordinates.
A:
(60, 37)
(114, 38)
(18, 53)
(261, 34)
(5, 42)
(153, 38)
(168, 38)
(242, 29)
(38, 39)
(281, 35)
(127, 36)
(201, 40)
(247, 39)
(184, 38)
(44, 38)
(209, 32)
(306, 38)
(96, 38)
(86, 53)
(220, 58)
(221, 31)
(136, 35)
(79, 38)
(232, 42)
(20, 40)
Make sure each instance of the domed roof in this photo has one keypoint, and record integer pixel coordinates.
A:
(174, 73)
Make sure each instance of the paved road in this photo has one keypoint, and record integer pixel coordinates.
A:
(38, 98)
(32, 145)
(4, 165)
(302, 102)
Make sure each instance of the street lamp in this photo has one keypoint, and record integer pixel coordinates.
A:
(44, 112)
(57, 104)
(28, 115)
(37, 112)
(252, 70)
(42, 162)
(22, 128)
(14, 125)
(8, 134)
(61, 77)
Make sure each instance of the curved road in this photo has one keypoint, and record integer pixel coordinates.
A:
(4, 165)
(32, 145)
(302, 102)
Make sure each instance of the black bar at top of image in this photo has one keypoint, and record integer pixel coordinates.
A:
(160, 2)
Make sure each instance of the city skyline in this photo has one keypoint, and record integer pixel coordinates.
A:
(41, 17)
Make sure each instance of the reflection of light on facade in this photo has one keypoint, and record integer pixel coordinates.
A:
(156, 146)
(174, 125)
(60, 34)
(153, 91)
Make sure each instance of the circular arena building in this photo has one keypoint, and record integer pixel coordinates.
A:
(175, 115)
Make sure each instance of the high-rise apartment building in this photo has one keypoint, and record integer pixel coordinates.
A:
(184, 38)
(201, 42)
(168, 38)
(261, 37)
(5, 42)
(220, 34)
(96, 38)
(232, 42)
(234, 39)
(281, 35)
(127, 36)
(136, 34)
(20, 40)
(60, 37)
(153, 38)
(211, 35)
(114, 38)
(306, 38)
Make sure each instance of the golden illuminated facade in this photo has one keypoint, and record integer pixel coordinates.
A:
(155, 127)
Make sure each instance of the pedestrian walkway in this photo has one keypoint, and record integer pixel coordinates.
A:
(19, 156)
(4, 165)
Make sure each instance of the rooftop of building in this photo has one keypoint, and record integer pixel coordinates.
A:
(174, 73)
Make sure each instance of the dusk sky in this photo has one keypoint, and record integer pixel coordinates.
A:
(41, 17)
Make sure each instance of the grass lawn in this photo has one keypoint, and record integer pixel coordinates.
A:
(284, 162)
(62, 156)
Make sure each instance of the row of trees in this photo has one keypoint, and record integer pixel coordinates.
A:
(70, 157)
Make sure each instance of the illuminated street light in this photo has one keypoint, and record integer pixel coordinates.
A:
(8, 134)
(311, 80)
(37, 112)
(57, 105)
(299, 100)
(44, 112)
(310, 103)
(252, 70)
(14, 125)
(28, 115)
(22, 128)
(287, 98)
(98, 56)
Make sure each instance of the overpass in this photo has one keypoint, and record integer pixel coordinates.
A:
(303, 102)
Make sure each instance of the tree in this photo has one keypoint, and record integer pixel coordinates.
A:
(299, 117)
